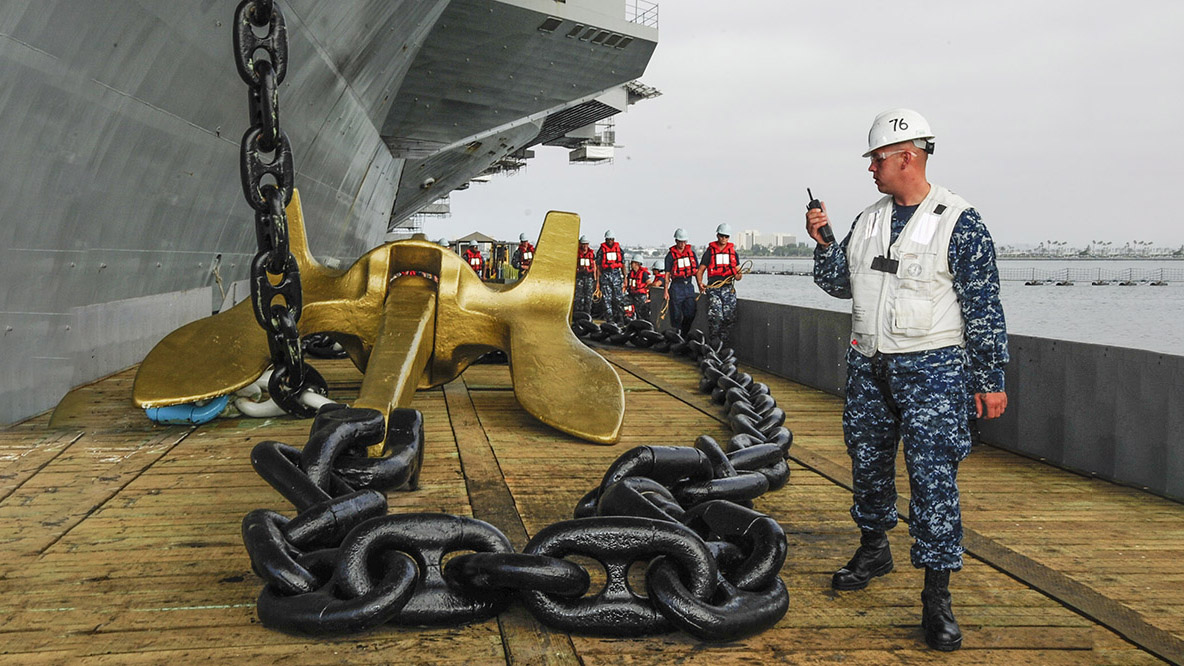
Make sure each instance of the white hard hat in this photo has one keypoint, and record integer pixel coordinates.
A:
(583, 239)
(609, 234)
(724, 229)
(636, 259)
(680, 234)
(898, 125)
(657, 266)
(522, 238)
(472, 243)
(444, 242)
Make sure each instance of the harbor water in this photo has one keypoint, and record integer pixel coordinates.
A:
(1127, 311)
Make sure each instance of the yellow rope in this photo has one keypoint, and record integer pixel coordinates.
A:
(745, 269)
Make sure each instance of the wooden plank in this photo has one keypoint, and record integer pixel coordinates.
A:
(75, 484)
(526, 640)
(25, 453)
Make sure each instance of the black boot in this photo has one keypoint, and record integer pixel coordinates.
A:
(872, 559)
(937, 617)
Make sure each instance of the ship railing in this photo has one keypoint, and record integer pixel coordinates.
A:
(642, 12)
(1091, 274)
(1084, 275)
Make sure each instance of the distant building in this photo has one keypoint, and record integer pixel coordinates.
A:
(750, 237)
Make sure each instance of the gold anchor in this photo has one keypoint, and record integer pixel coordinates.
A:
(405, 331)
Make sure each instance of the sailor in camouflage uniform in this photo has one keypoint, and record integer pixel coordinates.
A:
(585, 277)
(610, 265)
(722, 268)
(928, 346)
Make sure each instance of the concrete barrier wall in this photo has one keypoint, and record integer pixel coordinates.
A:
(1106, 411)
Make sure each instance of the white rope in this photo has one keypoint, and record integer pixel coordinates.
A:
(249, 402)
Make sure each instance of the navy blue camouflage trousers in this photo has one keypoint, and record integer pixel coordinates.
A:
(721, 313)
(585, 286)
(611, 290)
(641, 306)
(920, 399)
(682, 304)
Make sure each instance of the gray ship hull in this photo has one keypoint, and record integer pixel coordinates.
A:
(121, 212)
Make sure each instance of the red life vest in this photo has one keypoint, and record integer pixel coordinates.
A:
(659, 280)
(685, 263)
(585, 262)
(527, 256)
(611, 256)
(639, 281)
(474, 259)
(721, 260)
(629, 312)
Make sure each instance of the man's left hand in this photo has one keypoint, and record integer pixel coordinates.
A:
(990, 405)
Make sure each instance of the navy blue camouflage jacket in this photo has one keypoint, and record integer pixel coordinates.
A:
(976, 282)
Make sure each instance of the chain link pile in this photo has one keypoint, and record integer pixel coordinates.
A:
(343, 565)
(268, 179)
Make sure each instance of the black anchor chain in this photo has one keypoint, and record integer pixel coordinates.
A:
(268, 176)
(342, 565)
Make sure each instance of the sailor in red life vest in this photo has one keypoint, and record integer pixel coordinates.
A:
(474, 259)
(719, 264)
(585, 277)
(523, 255)
(611, 263)
(659, 276)
(639, 282)
(681, 266)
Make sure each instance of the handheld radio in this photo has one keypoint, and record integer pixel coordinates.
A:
(827, 235)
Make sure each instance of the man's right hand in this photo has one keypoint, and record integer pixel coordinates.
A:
(815, 219)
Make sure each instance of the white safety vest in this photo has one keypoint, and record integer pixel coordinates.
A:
(915, 308)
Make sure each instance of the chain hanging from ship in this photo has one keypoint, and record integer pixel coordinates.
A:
(291, 378)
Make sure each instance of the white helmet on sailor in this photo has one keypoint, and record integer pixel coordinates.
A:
(609, 235)
(896, 125)
(680, 234)
(522, 238)
(724, 229)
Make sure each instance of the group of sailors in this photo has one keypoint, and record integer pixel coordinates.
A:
(626, 292)
(521, 259)
(623, 283)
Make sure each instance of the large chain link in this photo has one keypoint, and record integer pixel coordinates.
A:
(341, 566)
(268, 176)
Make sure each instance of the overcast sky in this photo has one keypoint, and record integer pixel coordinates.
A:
(1057, 120)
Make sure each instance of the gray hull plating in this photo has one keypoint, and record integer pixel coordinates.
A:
(121, 212)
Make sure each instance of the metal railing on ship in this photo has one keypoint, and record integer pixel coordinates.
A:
(1093, 275)
(1032, 274)
(642, 12)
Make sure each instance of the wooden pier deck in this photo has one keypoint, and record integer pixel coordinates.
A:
(119, 540)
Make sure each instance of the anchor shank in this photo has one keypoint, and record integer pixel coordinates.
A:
(402, 349)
